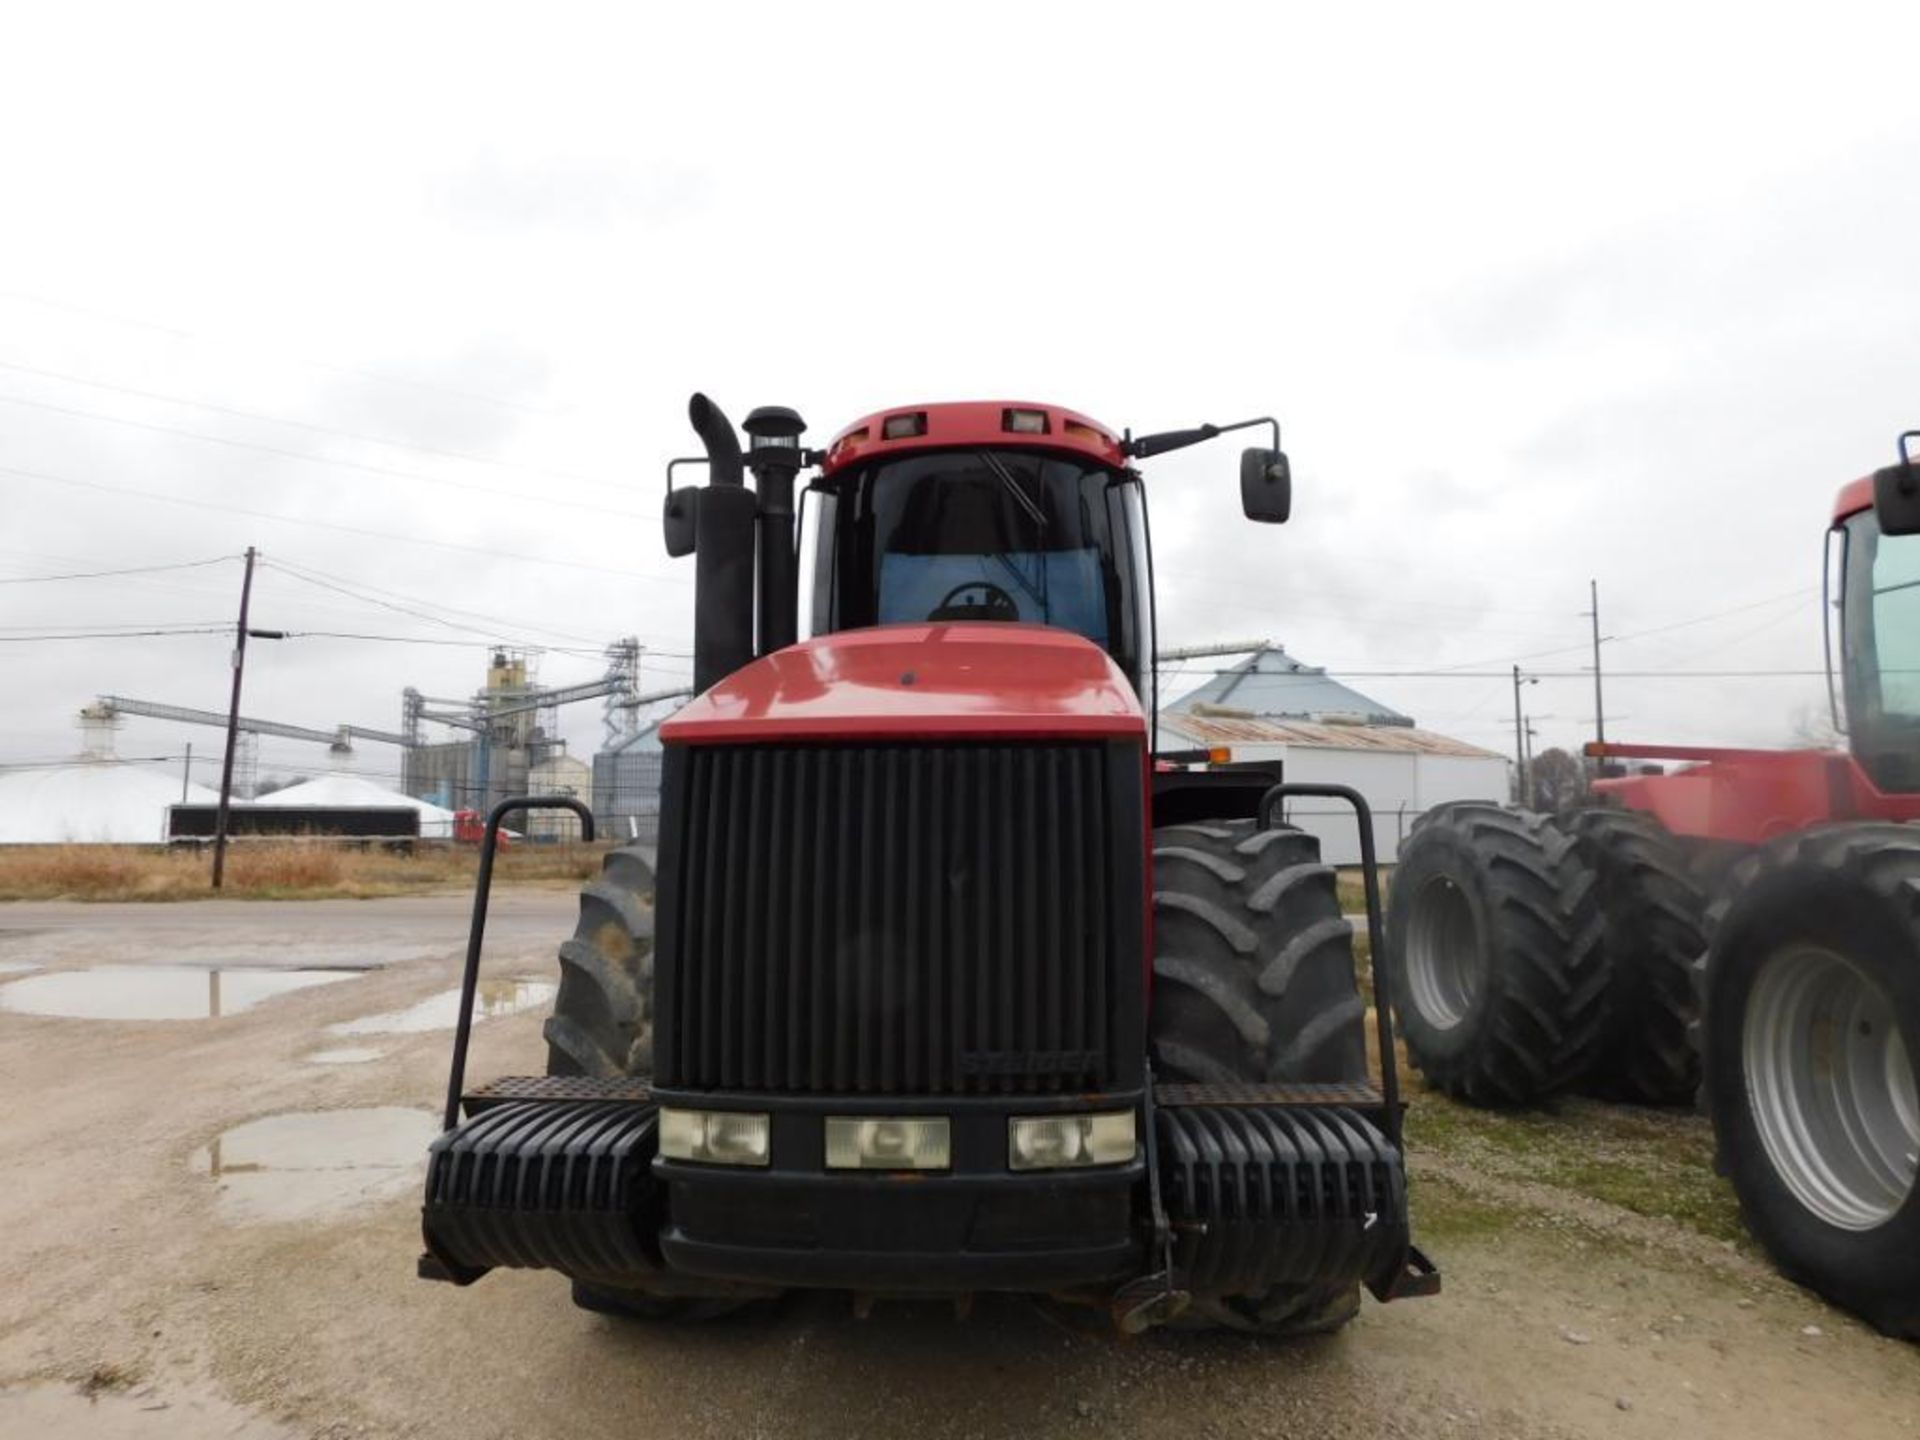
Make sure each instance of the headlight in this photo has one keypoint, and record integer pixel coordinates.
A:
(1059, 1142)
(714, 1137)
(889, 1142)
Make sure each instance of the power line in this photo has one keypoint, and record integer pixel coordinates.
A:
(177, 333)
(49, 628)
(372, 594)
(116, 634)
(105, 574)
(255, 415)
(384, 471)
(489, 635)
(1583, 674)
(310, 523)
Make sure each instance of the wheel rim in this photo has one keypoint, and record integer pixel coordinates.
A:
(1442, 953)
(1831, 1086)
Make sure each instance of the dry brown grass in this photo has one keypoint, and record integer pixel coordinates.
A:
(275, 871)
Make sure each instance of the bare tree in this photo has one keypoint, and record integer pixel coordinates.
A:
(1813, 729)
(1559, 781)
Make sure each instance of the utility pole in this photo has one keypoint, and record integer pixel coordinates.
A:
(1523, 791)
(186, 774)
(1519, 746)
(241, 632)
(1599, 706)
(233, 728)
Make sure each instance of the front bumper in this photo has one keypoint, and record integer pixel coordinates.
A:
(975, 1226)
(902, 1232)
(1234, 1190)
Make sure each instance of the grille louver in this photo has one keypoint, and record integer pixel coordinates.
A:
(904, 918)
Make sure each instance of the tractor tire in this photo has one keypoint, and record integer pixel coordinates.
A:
(602, 1021)
(1499, 974)
(1653, 919)
(602, 1026)
(1812, 1035)
(1254, 981)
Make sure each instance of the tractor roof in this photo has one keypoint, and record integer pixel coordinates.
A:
(977, 423)
(1853, 498)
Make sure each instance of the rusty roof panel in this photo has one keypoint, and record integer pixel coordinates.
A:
(1253, 730)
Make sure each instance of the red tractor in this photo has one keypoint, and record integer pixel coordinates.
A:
(1751, 921)
(942, 980)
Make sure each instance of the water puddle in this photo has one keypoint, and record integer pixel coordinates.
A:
(441, 1012)
(155, 992)
(138, 1412)
(344, 1055)
(311, 1164)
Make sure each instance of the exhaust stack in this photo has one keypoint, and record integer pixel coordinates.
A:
(723, 576)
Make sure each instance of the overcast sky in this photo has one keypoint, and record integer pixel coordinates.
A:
(412, 298)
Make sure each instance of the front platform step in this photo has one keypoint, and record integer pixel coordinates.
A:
(1357, 1095)
(1261, 1196)
(509, 1088)
(561, 1183)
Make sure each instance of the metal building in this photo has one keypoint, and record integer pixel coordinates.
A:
(626, 787)
(1270, 707)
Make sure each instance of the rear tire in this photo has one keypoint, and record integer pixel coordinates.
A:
(602, 1026)
(1653, 918)
(1812, 1031)
(1499, 975)
(1254, 982)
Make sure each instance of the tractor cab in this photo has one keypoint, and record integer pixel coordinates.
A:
(981, 512)
(1876, 535)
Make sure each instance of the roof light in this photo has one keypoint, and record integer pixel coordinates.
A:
(901, 427)
(1024, 422)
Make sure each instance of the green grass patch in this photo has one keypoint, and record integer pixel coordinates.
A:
(1657, 1163)
(1352, 890)
(1444, 1214)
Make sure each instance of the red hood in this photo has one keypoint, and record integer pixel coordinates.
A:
(973, 681)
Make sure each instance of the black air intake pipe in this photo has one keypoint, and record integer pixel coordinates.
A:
(723, 572)
(775, 458)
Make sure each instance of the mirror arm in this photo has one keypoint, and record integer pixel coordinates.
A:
(678, 461)
(1146, 445)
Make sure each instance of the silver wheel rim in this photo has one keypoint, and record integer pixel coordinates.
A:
(1442, 953)
(1831, 1086)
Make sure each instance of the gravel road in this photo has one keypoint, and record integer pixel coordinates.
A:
(173, 1267)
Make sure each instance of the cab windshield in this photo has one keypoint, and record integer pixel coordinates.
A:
(1881, 651)
(986, 535)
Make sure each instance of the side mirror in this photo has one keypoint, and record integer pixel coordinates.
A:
(682, 505)
(1896, 498)
(1266, 486)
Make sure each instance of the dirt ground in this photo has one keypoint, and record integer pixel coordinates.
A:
(1596, 1280)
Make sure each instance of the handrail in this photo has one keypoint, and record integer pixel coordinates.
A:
(482, 887)
(1376, 931)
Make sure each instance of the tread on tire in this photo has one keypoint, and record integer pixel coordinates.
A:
(1254, 981)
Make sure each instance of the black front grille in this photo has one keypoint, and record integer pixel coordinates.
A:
(904, 918)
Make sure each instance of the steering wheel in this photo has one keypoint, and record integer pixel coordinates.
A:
(976, 600)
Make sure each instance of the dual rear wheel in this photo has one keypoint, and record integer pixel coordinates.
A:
(1530, 956)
